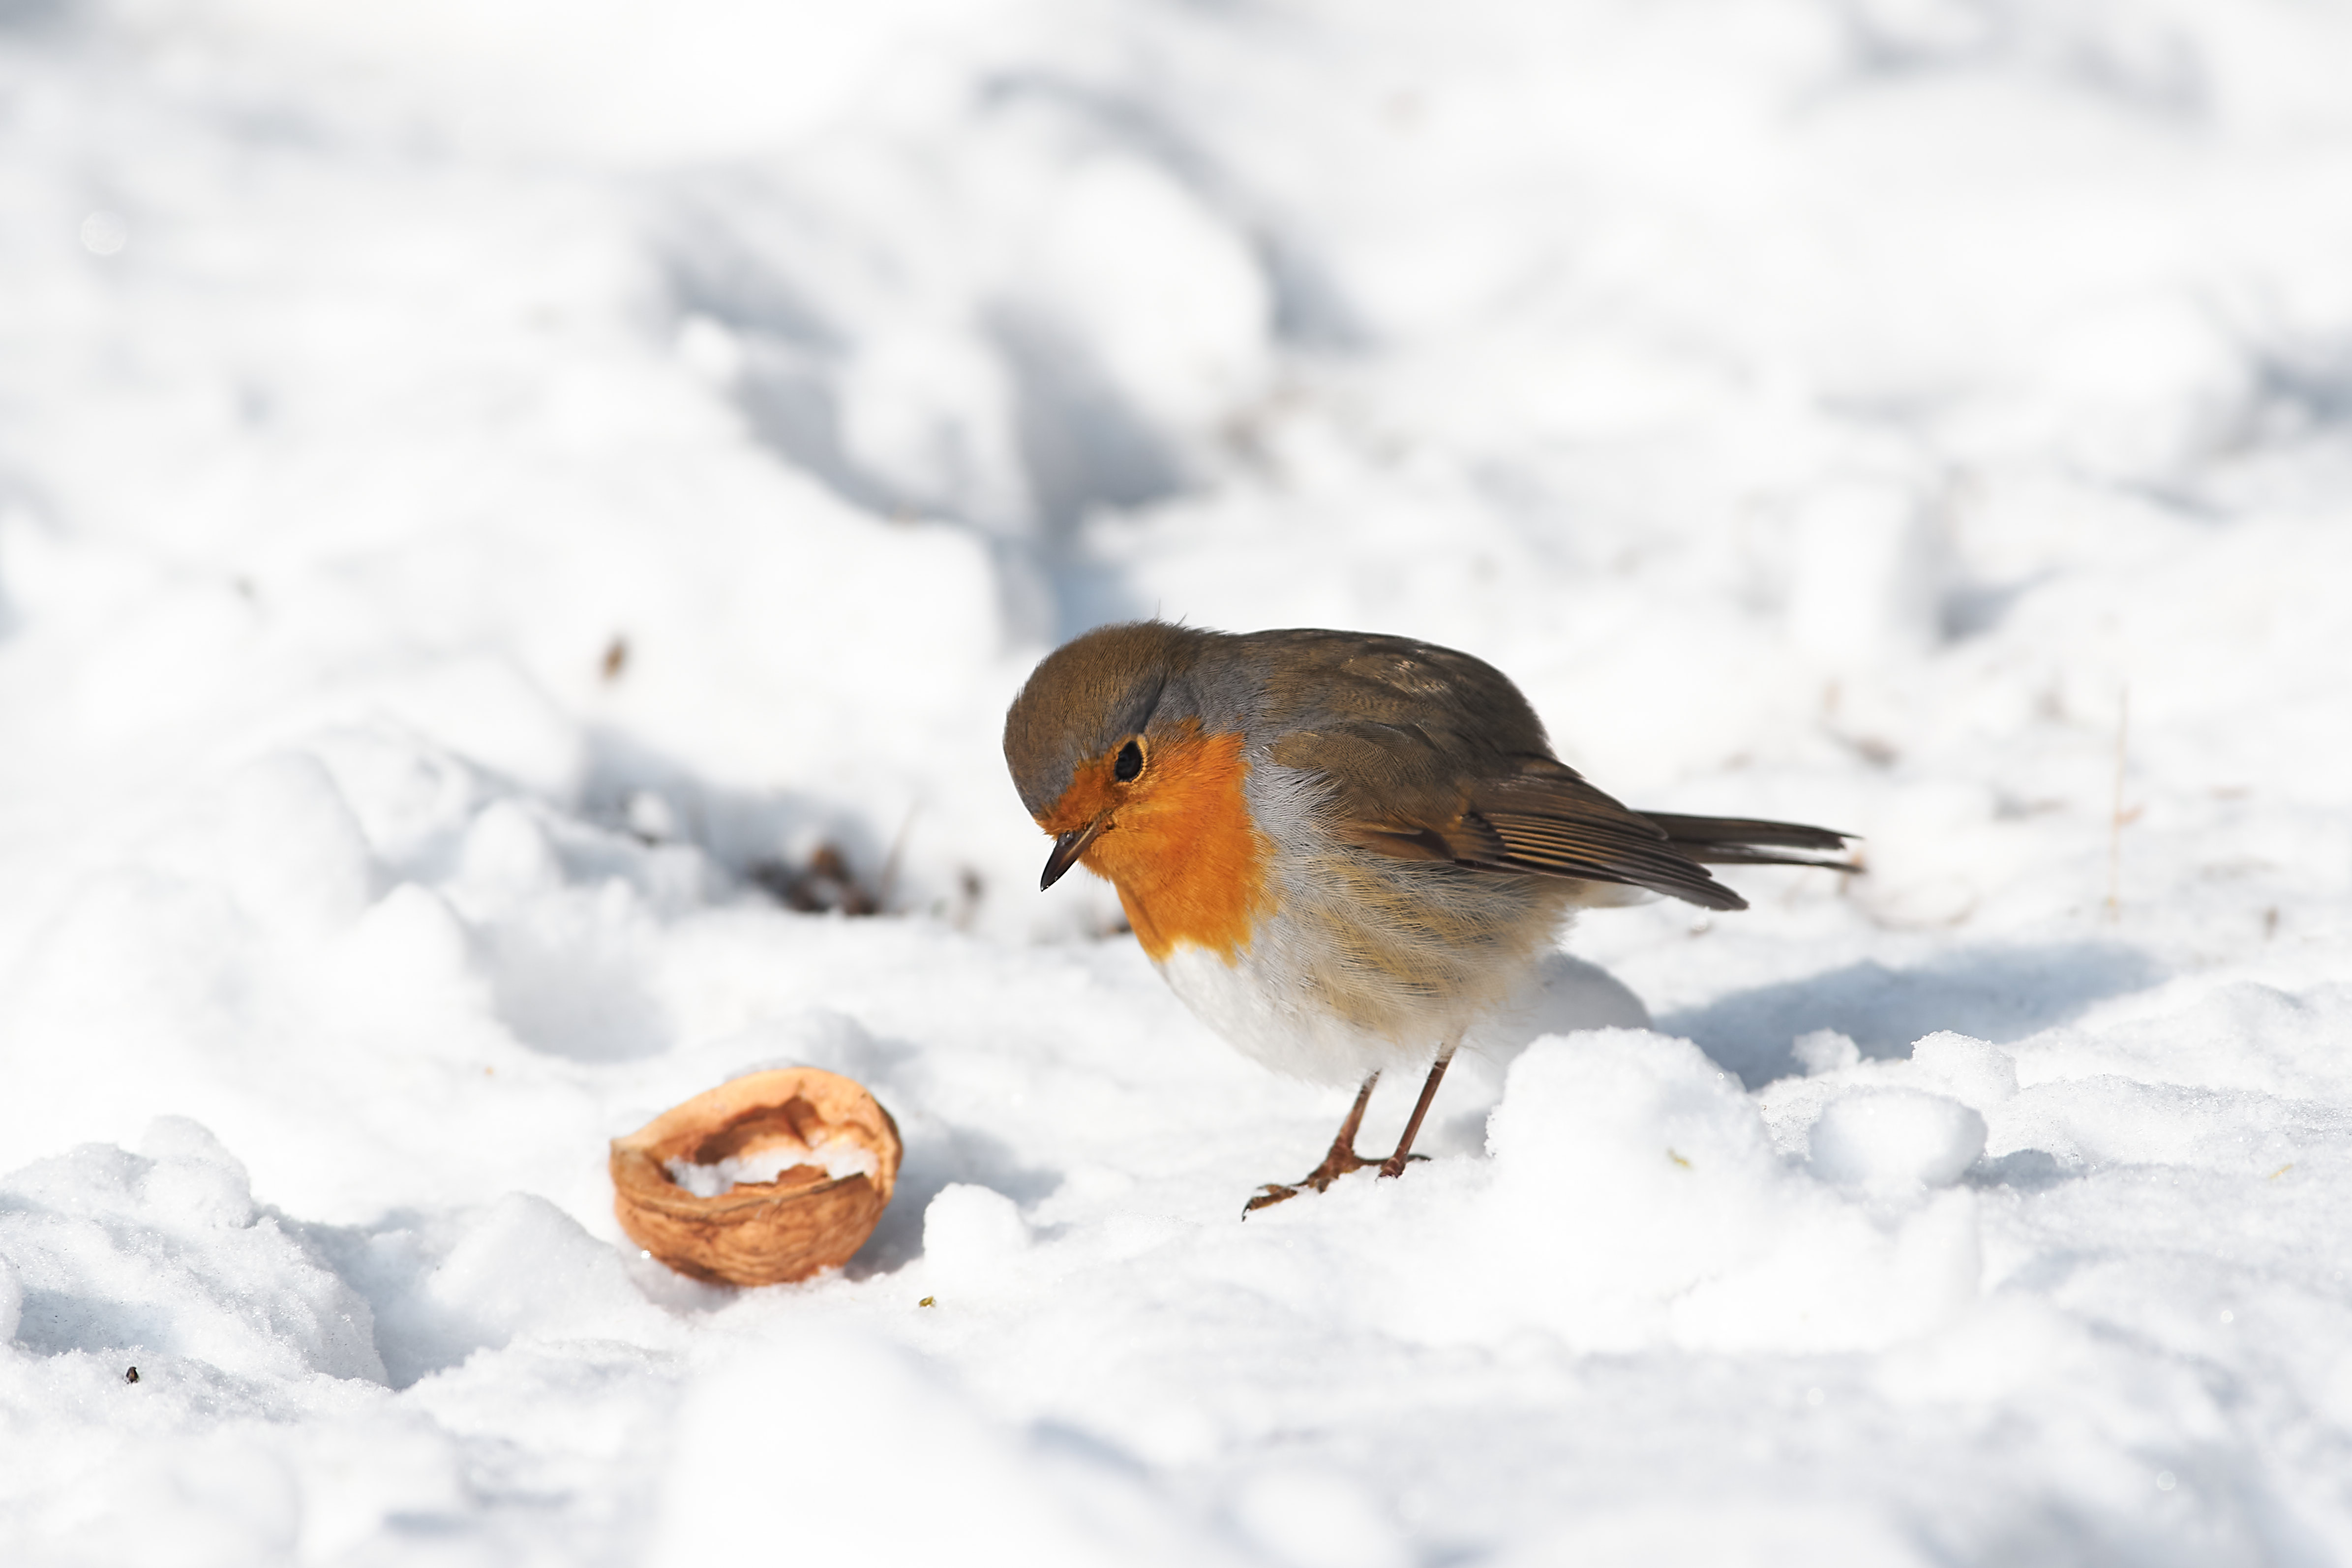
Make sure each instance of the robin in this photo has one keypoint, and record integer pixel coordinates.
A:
(1341, 849)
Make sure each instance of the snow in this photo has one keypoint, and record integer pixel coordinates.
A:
(1895, 1138)
(836, 1157)
(498, 505)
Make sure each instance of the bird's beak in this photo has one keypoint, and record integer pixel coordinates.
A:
(1068, 847)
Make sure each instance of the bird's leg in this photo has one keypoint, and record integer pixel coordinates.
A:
(1394, 1165)
(1343, 1157)
(1342, 1160)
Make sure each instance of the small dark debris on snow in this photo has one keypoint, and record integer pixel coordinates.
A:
(616, 658)
(825, 883)
(130, 1374)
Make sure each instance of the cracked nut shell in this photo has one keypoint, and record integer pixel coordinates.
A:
(767, 1233)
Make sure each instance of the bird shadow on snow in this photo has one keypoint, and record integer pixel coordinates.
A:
(1999, 993)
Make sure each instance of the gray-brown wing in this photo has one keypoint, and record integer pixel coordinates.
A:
(1548, 820)
(1394, 727)
(1565, 827)
(1395, 791)
(1432, 754)
(1324, 681)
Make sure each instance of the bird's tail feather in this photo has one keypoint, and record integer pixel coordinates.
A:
(1746, 841)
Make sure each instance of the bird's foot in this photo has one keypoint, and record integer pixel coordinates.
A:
(1394, 1165)
(1336, 1165)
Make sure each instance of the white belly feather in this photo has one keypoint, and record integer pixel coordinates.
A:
(1273, 1023)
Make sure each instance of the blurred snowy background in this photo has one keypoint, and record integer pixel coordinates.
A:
(500, 503)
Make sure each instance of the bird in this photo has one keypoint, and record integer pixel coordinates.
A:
(1341, 849)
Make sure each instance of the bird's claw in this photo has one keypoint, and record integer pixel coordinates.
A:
(1271, 1194)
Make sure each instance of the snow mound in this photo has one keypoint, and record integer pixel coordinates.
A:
(161, 1254)
(849, 1417)
(1894, 1139)
(1636, 1198)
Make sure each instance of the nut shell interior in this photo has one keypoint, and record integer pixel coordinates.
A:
(766, 1233)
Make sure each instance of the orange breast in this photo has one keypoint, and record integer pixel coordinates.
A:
(1190, 868)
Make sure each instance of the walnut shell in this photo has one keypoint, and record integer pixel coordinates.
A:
(769, 1233)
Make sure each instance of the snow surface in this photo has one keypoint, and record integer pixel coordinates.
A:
(488, 493)
(836, 1157)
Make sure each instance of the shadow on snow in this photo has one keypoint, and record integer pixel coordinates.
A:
(1999, 995)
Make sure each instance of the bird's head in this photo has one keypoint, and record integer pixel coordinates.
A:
(1094, 730)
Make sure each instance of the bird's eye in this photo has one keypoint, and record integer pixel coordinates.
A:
(1130, 763)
